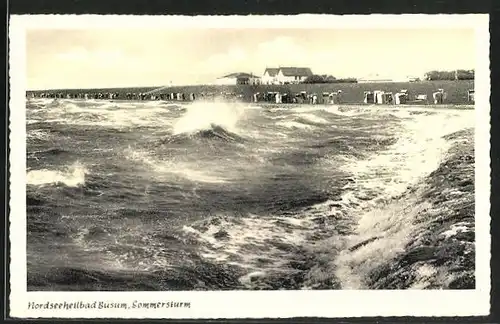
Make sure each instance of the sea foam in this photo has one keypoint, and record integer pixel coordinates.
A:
(72, 176)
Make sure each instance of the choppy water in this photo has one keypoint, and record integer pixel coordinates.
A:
(153, 195)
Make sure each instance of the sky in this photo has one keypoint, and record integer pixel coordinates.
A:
(103, 58)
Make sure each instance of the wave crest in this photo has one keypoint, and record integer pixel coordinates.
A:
(215, 132)
(73, 176)
(201, 116)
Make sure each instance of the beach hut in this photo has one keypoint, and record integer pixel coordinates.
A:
(369, 97)
(314, 99)
(286, 98)
(379, 97)
(331, 98)
(438, 96)
(421, 97)
(405, 92)
(299, 97)
(388, 97)
(325, 98)
(335, 97)
(470, 95)
(338, 98)
(400, 98)
(261, 96)
(278, 98)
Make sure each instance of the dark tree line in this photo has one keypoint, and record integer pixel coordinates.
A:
(450, 75)
(429, 76)
(328, 79)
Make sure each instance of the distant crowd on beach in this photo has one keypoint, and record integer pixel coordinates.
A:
(302, 97)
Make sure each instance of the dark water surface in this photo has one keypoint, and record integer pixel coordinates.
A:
(159, 196)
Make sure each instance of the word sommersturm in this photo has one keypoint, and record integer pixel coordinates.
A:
(107, 305)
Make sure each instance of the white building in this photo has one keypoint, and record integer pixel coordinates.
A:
(270, 76)
(293, 74)
(286, 75)
(238, 78)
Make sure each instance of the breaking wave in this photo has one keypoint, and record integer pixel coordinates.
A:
(201, 116)
(214, 132)
(311, 118)
(293, 124)
(71, 176)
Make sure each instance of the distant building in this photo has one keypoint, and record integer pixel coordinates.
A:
(285, 75)
(374, 78)
(293, 74)
(270, 76)
(412, 78)
(238, 78)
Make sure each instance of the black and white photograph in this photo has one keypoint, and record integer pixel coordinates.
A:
(159, 165)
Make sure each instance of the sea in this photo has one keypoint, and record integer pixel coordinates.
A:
(154, 195)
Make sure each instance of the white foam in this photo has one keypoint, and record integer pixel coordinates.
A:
(419, 151)
(106, 114)
(248, 238)
(174, 167)
(455, 229)
(72, 176)
(202, 115)
(307, 108)
(348, 113)
(253, 107)
(312, 118)
(293, 124)
(40, 101)
(391, 226)
(425, 274)
(37, 134)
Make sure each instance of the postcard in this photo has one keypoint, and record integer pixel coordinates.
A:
(249, 166)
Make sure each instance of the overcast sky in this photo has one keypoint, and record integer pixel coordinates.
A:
(120, 58)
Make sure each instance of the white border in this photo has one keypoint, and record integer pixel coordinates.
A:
(252, 304)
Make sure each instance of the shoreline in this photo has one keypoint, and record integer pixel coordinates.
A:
(351, 93)
(290, 105)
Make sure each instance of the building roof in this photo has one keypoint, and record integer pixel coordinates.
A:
(272, 71)
(239, 75)
(296, 71)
